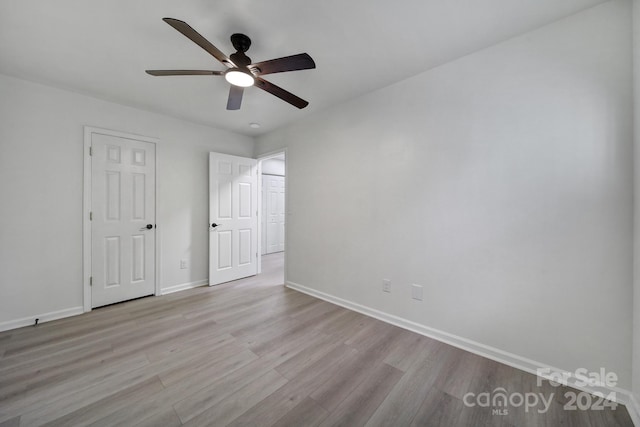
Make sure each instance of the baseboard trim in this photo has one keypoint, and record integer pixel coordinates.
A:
(528, 365)
(42, 318)
(183, 286)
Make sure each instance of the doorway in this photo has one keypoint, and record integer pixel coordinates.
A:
(273, 212)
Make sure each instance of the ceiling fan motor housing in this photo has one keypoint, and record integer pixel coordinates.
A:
(240, 59)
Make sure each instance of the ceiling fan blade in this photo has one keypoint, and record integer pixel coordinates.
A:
(280, 93)
(195, 37)
(301, 61)
(184, 73)
(235, 97)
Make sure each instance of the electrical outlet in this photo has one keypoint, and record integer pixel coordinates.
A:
(416, 292)
(183, 264)
(386, 285)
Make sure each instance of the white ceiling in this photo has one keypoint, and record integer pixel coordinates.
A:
(101, 48)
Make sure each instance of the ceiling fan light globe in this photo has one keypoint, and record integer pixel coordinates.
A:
(238, 77)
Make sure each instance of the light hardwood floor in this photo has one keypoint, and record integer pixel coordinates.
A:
(253, 353)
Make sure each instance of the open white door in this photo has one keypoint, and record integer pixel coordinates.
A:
(233, 217)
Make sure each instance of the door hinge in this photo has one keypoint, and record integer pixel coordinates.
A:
(91, 281)
(91, 151)
(90, 216)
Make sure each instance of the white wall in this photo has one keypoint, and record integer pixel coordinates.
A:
(41, 175)
(501, 181)
(273, 167)
(636, 282)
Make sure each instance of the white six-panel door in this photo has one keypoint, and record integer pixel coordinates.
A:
(273, 193)
(233, 217)
(122, 209)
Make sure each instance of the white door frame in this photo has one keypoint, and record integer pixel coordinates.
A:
(267, 156)
(86, 209)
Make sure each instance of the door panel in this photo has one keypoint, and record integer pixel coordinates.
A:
(137, 258)
(273, 211)
(244, 249)
(233, 199)
(122, 204)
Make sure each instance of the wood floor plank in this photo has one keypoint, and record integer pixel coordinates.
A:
(358, 407)
(345, 379)
(610, 418)
(55, 348)
(374, 332)
(188, 344)
(162, 418)
(70, 384)
(342, 321)
(236, 404)
(272, 407)
(269, 341)
(67, 397)
(131, 413)
(238, 309)
(297, 350)
(92, 413)
(405, 399)
(218, 390)
(410, 352)
(205, 363)
(19, 376)
(257, 326)
(143, 337)
(284, 399)
(346, 328)
(465, 372)
(441, 409)
(41, 380)
(206, 382)
(252, 321)
(194, 377)
(306, 413)
(13, 422)
(47, 335)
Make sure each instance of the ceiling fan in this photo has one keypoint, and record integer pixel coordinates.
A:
(240, 71)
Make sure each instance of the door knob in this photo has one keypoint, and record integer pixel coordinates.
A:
(147, 227)
(214, 225)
